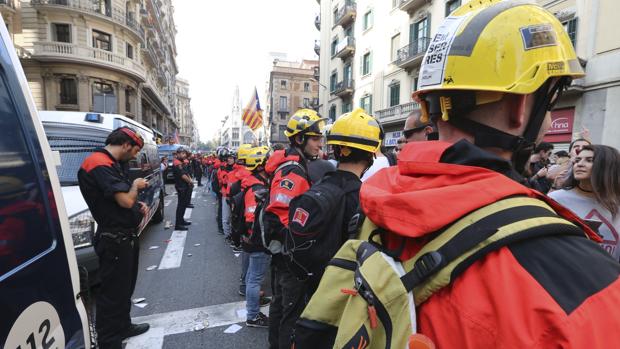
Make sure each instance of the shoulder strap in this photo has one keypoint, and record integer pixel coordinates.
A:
(290, 163)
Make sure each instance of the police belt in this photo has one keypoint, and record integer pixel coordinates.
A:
(117, 234)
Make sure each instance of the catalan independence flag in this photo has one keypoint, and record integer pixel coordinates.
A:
(253, 114)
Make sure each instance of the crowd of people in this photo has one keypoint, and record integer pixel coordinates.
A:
(471, 233)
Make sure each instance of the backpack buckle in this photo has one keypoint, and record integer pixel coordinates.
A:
(428, 264)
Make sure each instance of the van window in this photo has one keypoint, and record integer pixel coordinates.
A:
(73, 150)
(25, 216)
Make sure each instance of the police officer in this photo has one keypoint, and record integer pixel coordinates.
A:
(113, 200)
(290, 178)
(183, 184)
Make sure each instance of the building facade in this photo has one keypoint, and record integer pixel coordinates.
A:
(371, 52)
(187, 126)
(292, 86)
(112, 56)
(234, 132)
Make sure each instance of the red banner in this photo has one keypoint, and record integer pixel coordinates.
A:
(561, 129)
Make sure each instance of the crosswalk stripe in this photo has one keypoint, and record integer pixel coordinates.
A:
(193, 194)
(153, 338)
(188, 213)
(174, 251)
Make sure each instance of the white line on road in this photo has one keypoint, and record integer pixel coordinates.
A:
(193, 194)
(188, 213)
(153, 338)
(182, 321)
(174, 251)
(167, 203)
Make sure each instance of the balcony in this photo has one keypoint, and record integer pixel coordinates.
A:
(412, 54)
(410, 6)
(346, 14)
(345, 47)
(112, 14)
(65, 52)
(156, 92)
(8, 6)
(344, 88)
(284, 109)
(314, 104)
(317, 22)
(396, 113)
(317, 47)
(316, 74)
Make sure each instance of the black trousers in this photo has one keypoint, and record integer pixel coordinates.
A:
(118, 269)
(183, 197)
(219, 213)
(198, 176)
(289, 301)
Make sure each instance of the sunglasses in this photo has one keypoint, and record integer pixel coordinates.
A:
(408, 133)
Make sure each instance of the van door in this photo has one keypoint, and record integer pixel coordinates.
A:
(39, 302)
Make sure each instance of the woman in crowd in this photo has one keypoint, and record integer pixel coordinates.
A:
(593, 193)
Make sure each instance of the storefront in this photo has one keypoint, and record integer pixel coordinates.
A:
(560, 132)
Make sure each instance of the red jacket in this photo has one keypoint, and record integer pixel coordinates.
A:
(287, 184)
(222, 177)
(550, 292)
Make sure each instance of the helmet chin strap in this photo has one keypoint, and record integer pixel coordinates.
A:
(490, 137)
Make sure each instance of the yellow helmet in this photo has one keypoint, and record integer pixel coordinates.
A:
(356, 130)
(244, 151)
(305, 122)
(257, 156)
(495, 47)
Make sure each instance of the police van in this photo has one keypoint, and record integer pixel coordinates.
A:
(73, 136)
(40, 303)
(169, 151)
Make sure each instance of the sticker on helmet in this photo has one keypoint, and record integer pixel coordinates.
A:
(434, 63)
(540, 35)
(301, 216)
(287, 184)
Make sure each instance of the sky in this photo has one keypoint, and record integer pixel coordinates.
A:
(221, 44)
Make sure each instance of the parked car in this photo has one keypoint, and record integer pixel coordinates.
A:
(73, 136)
(40, 303)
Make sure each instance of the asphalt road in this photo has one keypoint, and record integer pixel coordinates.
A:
(192, 283)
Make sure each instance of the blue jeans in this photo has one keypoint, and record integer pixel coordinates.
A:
(259, 262)
(245, 262)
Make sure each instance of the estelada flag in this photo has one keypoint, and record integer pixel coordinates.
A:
(253, 114)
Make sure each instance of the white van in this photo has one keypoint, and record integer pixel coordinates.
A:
(73, 136)
(40, 303)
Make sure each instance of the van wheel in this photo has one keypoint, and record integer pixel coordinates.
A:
(158, 217)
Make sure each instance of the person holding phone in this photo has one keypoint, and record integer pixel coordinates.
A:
(593, 193)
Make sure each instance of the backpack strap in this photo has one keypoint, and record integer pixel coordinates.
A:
(292, 163)
(475, 235)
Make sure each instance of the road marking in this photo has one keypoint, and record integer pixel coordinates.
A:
(188, 213)
(174, 251)
(167, 203)
(193, 194)
(182, 321)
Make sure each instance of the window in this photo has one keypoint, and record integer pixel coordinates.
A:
(306, 102)
(414, 84)
(283, 103)
(306, 87)
(128, 97)
(333, 46)
(104, 99)
(368, 20)
(103, 7)
(366, 64)
(235, 132)
(571, 28)
(281, 135)
(61, 32)
(27, 230)
(129, 51)
(283, 116)
(394, 93)
(452, 5)
(68, 91)
(333, 81)
(395, 47)
(395, 3)
(335, 15)
(347, 107)
(419, 32)
(235, 143)
(347, 72)
(366, 103)
(332, 113)
(102, 40)
(283, 84)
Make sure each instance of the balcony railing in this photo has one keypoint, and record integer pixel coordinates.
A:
(345, 47)
(346, 14)
(396, 113)
(317, 73)
(317, 47)
(61, 50)
(412, 54)
(8, 3)
(344, 88)
(112, 13)
(410, 6)
(317, 22)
